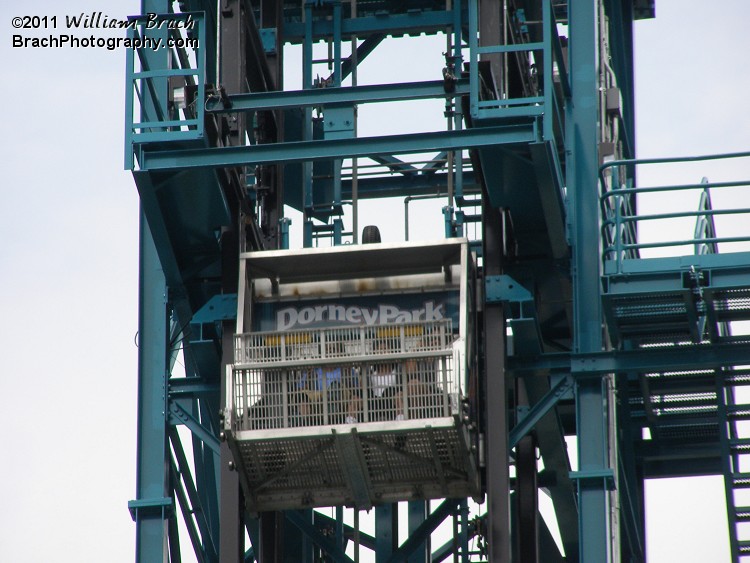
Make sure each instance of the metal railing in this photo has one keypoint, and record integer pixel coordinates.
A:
(620, 220)
(349, 393)
(345, 375)
(547, 104)
(167, 103)
(342, 343)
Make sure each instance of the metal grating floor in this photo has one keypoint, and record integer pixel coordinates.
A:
(354, 467)
(728, 304)
(651, 318)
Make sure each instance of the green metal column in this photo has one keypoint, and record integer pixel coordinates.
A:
(591, 400)
(386, 531)
(419, 510)
(153, 504)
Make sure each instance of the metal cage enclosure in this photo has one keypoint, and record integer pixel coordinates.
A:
(351, 386)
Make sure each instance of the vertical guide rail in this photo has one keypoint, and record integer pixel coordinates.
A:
(473, 58)
(496, 390)
(549, 106)
(154, 503)
(336, 204)
(307, 127)
(591, 393)
(455, 166)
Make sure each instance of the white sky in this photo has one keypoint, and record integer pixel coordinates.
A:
(69, 263)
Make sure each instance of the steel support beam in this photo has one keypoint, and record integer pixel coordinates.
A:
(233, 70)
(538, 411)
(620, 15)
(299, 519)
(496, 393)
(382, 23)
(674, 358)
(591, 393)
(302, 151)
(526, 528)
(153, 504)
(527, 496)
(386, 531)
(419, 535)
(272, 16)
(230, 494)
(178, 415)
(491, 34)
(630, 480)
(231, 536)
(271, 549)
(418, 512)
(246, 67)
(367, 46)
(426, 183)
(350, 532)
(341, 95)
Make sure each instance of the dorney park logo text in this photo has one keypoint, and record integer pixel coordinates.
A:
(292, 317)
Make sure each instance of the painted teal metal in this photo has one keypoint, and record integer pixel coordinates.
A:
(620, 221)
(371, 93)
(153, 504)
(148, 116)
(592, 394)
(549, 105)
(539, 410)
(413, 23)
(306, 151)
(691, 296)
(565, 265)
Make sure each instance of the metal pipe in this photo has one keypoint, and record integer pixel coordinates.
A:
(679, 215)
(355, 163)
(356, 535)
(218, 44)
(657, 189)
(673, 159)
(307, 129)
(504, 77)
(685, 242)
(449, 116)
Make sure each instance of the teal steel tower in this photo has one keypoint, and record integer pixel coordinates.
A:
(568, 323)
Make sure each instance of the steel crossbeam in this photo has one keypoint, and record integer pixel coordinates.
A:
(342, 95)
(302, 151)
(668, 358)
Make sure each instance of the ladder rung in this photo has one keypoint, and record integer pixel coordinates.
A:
(741, 481)
(744, 546)
(737, 379)
(738, 412)
(742, 513)
(740, 444)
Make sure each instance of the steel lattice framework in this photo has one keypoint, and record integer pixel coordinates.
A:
(631, 352)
